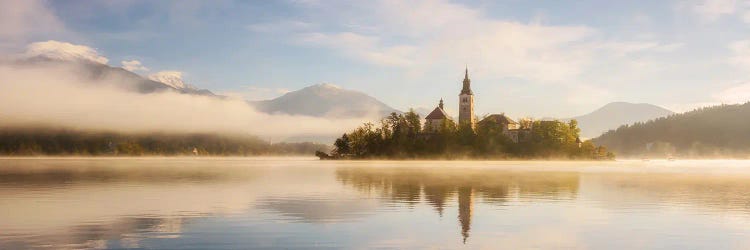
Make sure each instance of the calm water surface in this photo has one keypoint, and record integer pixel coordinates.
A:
(234, 203)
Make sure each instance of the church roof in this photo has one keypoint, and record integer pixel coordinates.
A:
(499, 119)
(436, 114)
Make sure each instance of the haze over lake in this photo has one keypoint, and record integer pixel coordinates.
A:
(301, 202)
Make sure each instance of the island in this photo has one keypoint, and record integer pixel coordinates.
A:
(495, 136)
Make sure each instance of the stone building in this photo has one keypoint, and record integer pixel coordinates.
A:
(509, 127)
(435, 119)
(466, 115)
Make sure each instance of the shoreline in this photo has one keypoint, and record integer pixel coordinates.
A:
(308, 157)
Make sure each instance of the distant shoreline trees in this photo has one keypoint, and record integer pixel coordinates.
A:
(48, 141)
(400, 136)
(721, 131)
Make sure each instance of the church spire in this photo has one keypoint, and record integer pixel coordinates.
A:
(466, 102)
(441, 103)
(467, 83)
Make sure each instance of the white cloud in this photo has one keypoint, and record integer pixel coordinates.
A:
(69, 101)
(711, 10)
(64, 51)
(509, 49)
(417, 18)
(407, 34)
(171, 78)
(133, 66)
(583, 94)
(361, 47)
(685, 107)
(736, 94)
(304, 2)
(280, 26)
(621, 48)
(669, 47)
(740, 54)
(23, 19)
(579, 59)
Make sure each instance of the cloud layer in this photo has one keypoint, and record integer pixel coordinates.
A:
(461, 34)
(133, 66)
(25, 19)
(57, 96)
(537, 59)
(64, 51)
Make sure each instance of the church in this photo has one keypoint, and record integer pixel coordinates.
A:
(466, 115)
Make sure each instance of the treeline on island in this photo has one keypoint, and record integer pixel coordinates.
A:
(712, 132)
(49, 141)
(400, 136)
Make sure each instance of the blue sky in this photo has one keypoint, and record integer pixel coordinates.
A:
(526, 58)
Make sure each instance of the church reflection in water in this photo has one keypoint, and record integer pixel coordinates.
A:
(439, 187)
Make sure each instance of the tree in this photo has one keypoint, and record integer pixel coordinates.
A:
(718, 131)
(413, 122)
(40, 140)
(342, 145)
(401, 136)
(574, 131)
(491, 140)
(525, 123)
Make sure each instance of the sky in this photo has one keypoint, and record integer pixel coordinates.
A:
(525, 58)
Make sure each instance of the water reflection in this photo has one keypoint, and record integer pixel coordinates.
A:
(122, 233)
(281, 203)
(436, 187)
(717, 193)
(318, 209)
(70, 203)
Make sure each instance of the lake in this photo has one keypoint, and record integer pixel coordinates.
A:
(230, 203)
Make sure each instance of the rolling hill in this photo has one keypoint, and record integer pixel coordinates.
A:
(325, 100)
(615, 114)
(718, 131)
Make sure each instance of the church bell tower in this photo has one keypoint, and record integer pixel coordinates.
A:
(466, 102)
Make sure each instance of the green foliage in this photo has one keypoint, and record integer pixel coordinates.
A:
(718, 131)
(401, 136)
(46, 141)
(342, 145)
(129, 148)
(491, 140)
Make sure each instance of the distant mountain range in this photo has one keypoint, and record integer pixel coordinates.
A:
(325, 100)
(615, 114)
(715, 132)
(118, 77)
(321, 100)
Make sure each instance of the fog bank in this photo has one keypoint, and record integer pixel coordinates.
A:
(54, 95)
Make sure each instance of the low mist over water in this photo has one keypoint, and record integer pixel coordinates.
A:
(299, 202)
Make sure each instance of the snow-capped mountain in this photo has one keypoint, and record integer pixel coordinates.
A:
(172, 78)
(98, 72)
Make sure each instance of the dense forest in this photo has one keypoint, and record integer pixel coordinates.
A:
(400, 136)
(713, 132)
(47, 141)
